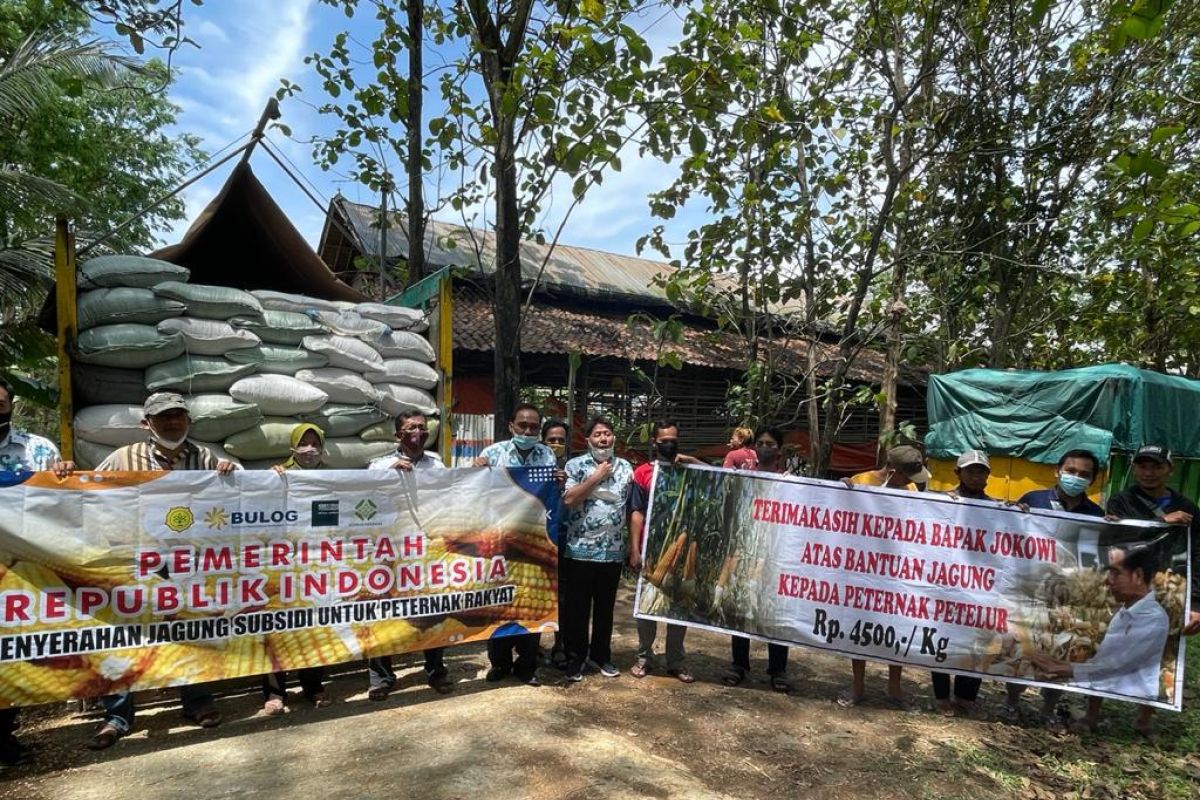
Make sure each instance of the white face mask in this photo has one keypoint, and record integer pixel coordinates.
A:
(600, 454)
(167, 444)
(308, 456)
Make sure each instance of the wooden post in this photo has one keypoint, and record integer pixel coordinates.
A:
(67, 331)
(446, 363)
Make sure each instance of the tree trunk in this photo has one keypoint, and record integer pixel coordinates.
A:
(413, 165)
(506, 307)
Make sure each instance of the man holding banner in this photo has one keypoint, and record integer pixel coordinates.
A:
(21, 452)
(524, 449)
(412, 429)
(167, 447)
(904, 469)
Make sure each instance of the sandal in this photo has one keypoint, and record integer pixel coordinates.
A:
(274, 707)
(733, 676)
(105, 738)
(780, 684)
(682, 674)
(441, 684)
(320, 700)
(849, 700)
(640, 668)
(379, 692)
(206, 717)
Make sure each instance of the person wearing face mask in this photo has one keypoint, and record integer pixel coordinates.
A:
(666, 456)
(412, 429)
(524, 449)
(904, 468)
(768, 452)
(21, 452)
(595, 528)
(166, 447)
(556, 436)
(308, 445)
(1076, 471)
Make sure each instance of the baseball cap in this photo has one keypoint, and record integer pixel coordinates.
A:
(160, 402)
(972, 457)
(1153, 452)
(910, 461)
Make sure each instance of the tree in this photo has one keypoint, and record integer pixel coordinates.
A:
(534, 93)
(808, 126)
(82, 130)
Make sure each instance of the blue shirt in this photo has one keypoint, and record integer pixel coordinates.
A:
(506, 454)
(596, 528)
(26, 452)
(1048, 499)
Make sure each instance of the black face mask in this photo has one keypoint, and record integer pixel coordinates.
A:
(5, 424)
(767, 454)
(667, 449)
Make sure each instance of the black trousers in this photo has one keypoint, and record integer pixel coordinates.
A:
(589, 595)
(777, 655)
(380, 672)
(312, 679)
(500, 654)
(965, 687)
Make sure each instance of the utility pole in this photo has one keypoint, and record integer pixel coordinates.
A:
(383, 229)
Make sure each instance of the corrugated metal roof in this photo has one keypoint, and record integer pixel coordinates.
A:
(574, 270)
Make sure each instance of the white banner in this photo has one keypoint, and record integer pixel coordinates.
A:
(960, 586)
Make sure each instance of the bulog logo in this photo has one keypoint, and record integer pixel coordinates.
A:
(218, 518)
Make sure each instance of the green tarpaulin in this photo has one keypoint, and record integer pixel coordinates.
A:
(1038, 416)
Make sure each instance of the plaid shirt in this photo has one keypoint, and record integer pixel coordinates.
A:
(146, 457)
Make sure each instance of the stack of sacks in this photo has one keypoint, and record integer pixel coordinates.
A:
(250, 364)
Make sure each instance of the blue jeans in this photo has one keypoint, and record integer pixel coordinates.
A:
(119, 707)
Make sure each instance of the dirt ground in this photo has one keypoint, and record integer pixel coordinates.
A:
(610, 738)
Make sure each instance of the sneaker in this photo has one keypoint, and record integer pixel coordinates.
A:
(609, 670)
(528, 680)
(496, 674)
(574, 676)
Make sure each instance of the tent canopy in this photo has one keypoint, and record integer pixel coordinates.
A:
(244, 240)
(1038, 416)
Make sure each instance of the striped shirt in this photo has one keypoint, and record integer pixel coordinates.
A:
(146, 457)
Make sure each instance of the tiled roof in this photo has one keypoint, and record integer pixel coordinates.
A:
(555, 329)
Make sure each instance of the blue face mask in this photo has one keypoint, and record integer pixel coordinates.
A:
(1073, 485)
(525, 441)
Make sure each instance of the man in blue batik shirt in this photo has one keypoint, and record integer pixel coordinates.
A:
(524, 449)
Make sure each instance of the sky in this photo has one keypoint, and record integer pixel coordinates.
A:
(245, 47)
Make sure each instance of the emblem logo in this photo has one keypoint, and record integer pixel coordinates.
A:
(216, 518)
(180, 518)
(366, 510)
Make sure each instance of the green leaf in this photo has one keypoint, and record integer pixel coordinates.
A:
(1164, 132)
(1143, 229)
(697, 141)
(592, 9)
(1040, 7)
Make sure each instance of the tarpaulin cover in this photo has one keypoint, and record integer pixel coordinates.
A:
(1038, 416)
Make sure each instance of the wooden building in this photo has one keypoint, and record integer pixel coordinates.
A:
(602, 308)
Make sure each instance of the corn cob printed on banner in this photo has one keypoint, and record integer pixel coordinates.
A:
(114, 581)
(961, 586)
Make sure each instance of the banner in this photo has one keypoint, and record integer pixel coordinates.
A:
(139, 580)
(972, 587)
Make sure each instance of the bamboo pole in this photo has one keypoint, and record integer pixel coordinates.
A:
(67, 330)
